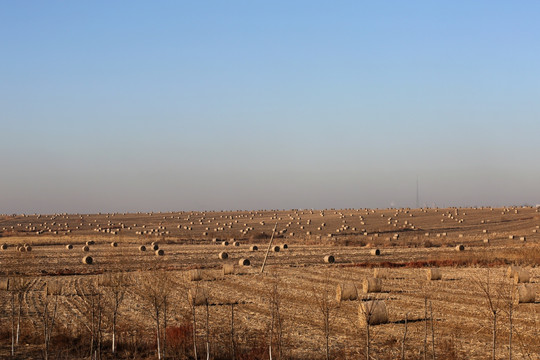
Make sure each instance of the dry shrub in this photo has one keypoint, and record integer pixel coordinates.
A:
(180, 340)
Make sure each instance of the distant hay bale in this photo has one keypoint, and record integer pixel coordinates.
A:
(486, 241)
(371, 285)
(4, 246)
(86, 248)
(225, 243)
(372, 312)
(87, 260)
(375, 252)
(27, 248)
(69, 246)
(526, 293)
(154, 247)
(346, 292)
(330, 259)
(522, 238)
(160, 252)
(90, 242)
(195, 275)
(276, 248)
(142, 248)
(460, 247)
(198, 297)
(284, 246)
(223, 255)
(236, 243)
(381, 273)
(114, 244)
(244, 262)
(228, 269)
(253, 248)
(511, 237)
(434, 274)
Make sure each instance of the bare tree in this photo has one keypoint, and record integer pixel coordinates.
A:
(115, 286)
(276, 321)
(48, 319)
(492, 294)
(326, 307)
(154, 288)
(93, 316)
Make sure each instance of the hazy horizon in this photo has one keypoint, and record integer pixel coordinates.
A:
(136, 106)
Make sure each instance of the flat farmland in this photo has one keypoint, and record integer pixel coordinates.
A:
(284, 307)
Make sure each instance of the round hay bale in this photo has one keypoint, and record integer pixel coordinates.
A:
(236, 243)
(142, 248)
(159, 252)
(86, 248)
(244, 262)
(69, 246)
(526, 293)
(372, 312)
(375, 252)
(329, 259)
(28, 248)
(371, 285)
(223, 255)
(434, 274)
(114, 244)
(228, 269)
(198, 297)
(511, 237)
(276, 248)
(284, 246)
(460, 247)
(486, 241)
(87, 260)
(21, 249)
(346, 292)
(195, 275)
(253, 248)
(522, 276)
(523, 238)
(225, 243)
(4, 246)
(90, 242)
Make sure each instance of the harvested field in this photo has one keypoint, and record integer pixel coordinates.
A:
(286, 299)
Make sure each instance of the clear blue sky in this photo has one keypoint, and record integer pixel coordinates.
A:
(170, 105)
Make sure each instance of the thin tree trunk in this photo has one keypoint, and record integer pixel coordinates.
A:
(425, 328)
(511, 333)
(207, 333)
(115, 311)
(494, 335)
(404, 336)
(232, 333)
(19, 314)
(12, 324)
(432, 332)
(368, 340)
(165, 328)
(158, 331)
(194, 332)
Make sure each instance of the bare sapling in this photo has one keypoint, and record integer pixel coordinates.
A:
(115, 286)
(154, 288)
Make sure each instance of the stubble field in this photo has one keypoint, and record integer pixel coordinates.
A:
(285, 306)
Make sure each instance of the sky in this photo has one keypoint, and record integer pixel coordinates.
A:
(228, 105)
